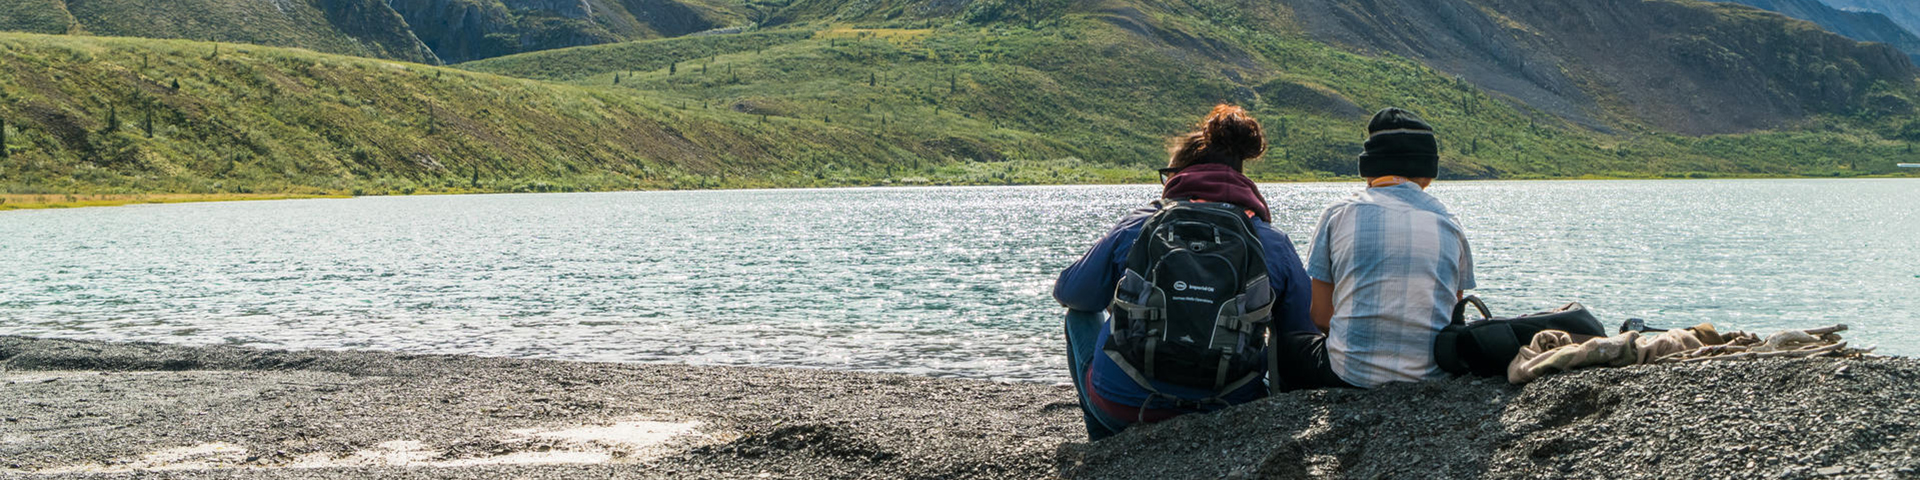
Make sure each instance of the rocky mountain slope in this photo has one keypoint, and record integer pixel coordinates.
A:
(1864, 26)
(1681, 66)
(1903, 12)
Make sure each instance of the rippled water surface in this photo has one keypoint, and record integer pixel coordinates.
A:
(934, 281)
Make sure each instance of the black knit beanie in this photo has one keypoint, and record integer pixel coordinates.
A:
(1400, 143)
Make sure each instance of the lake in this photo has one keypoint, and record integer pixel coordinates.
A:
(950, 282)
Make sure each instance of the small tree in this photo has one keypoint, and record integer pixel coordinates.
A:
(616, 78)
(113, 118)
(673, 67)
(176, 85)
(148, 124)
(3, 138)
(872, 79)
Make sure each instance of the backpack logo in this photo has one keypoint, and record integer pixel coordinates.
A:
(1180, 286)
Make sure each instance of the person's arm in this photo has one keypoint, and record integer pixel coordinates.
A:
(1293, 295)
(1464, 270)
(1320, 269)
(1323, 306)
(1088, 284)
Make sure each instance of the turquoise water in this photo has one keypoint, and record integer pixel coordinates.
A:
(932, 281)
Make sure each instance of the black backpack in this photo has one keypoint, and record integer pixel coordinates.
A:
(1193, 304)
(1486, 347)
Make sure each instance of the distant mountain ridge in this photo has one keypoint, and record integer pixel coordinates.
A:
(1690, 67)
(1862, 25)
(1906, 13)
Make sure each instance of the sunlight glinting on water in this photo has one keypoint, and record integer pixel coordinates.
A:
(932, 281)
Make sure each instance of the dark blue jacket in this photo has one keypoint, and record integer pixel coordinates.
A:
(1089, 285)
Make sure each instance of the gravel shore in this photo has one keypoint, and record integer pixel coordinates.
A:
(75, 409)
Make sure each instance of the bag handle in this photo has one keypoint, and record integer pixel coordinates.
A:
(1460, 309)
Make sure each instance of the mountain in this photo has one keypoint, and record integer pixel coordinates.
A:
(420, 31)
(365, 28)
(1865, 26)
(1530, 90)
(864, 92)
(1682, 66)
(1906, 13)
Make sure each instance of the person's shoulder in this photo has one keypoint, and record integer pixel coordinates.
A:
(1138, 216)
(1345, 206)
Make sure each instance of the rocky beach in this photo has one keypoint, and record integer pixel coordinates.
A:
(81, 409)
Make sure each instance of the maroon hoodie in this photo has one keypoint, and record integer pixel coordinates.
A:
(1214, 182)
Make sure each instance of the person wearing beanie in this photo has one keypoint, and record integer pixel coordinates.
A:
(1388, 264)
(1204, 166)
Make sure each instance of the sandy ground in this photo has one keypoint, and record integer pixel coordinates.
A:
(98, 410)
(71, 409)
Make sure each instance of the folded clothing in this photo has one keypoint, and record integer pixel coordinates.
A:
(1555, 351)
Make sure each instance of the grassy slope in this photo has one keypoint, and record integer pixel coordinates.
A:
(1047, 97)
(462, 30)
(259, 119)
(290, 23)
(37, 16)
(1110, 83)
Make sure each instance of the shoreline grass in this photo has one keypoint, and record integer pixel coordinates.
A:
(11, 201)
(44, 201)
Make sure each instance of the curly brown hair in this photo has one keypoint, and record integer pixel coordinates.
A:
(1228, 135)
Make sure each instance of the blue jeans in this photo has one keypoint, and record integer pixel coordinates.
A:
(1083, 328)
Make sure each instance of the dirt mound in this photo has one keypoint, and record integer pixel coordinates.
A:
(1773, 419)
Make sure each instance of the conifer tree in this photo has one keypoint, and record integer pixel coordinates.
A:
(3, 138)
(871, 79)
(673, 67)
(176, 84)
(113, 118)
(148, 124)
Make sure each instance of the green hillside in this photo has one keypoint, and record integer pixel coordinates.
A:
(104, 116)
(462, 30)
(364, 28)
(831, 92)
(37, 16)
(1112, 83)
